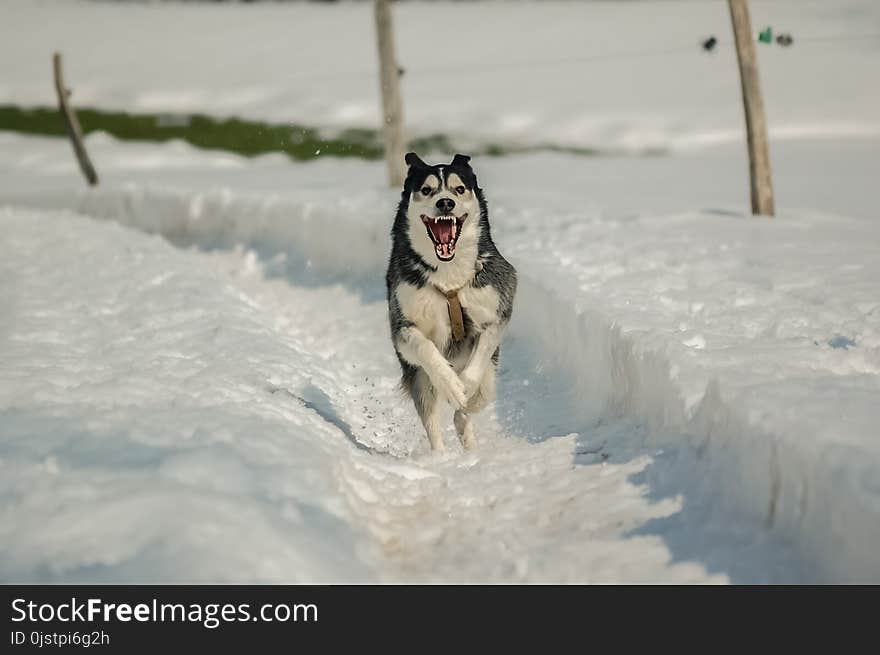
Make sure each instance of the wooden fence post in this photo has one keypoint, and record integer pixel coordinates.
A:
(392, 106)
(756, 123)
(72, 123)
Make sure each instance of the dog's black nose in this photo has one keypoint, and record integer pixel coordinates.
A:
(445, 205)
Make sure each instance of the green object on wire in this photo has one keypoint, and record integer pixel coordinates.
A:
(766, 36)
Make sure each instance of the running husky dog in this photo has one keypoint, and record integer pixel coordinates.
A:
(450, 294)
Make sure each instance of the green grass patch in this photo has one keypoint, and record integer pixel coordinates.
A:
(245, 137)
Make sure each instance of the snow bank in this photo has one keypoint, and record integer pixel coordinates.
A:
(759, 341)
(621, 76)
(769, 369)
(142, 437)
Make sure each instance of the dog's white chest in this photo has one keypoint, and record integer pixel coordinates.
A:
(480, 304)
(427, 308)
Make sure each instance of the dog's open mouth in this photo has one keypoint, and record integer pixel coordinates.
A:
(444, 232)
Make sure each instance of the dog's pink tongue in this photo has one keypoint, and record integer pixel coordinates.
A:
(442, 231)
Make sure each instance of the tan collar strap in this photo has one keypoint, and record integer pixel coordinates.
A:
(456, 320)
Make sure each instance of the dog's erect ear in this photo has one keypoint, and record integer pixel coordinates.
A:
(461, 160)
(413, 160)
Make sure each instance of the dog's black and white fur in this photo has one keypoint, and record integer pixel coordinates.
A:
(442, 243)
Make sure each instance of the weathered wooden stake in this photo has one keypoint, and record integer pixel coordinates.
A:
(392, 106)
(756, 123)
(73, 128)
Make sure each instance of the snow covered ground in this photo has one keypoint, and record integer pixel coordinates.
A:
(172, 415)
(613, 75)
(688, 396)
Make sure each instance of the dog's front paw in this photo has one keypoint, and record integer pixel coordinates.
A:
(452, 388)
(471, 380)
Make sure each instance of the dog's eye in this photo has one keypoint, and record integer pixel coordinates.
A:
(426, 191)
(459, 190)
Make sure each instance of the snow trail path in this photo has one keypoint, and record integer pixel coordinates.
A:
(511, 510)
(196, 418)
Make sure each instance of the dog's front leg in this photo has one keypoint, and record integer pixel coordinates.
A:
(481, 356)
(416, 349)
